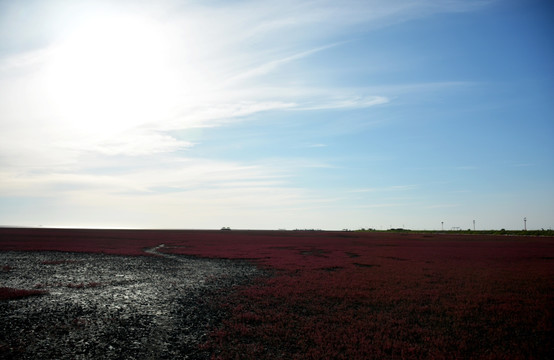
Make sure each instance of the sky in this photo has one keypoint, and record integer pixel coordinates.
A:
(286, 114)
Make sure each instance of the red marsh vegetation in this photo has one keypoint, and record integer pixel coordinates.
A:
(7, 293)
(359, 295)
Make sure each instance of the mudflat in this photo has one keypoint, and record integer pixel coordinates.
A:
(96, 306)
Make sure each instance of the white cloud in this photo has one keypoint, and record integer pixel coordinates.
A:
(346, 103)
(136, 143)
(186, 174)
(271, 65)
(23, 61)
(217, 114)
(212, 54)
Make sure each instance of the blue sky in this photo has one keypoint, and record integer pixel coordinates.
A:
(277, 114)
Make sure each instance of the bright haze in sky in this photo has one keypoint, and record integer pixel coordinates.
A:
(277, 114)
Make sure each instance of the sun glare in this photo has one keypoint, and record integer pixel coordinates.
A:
(110, 74)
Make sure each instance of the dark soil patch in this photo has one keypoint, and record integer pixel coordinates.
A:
(366, 265)
(314, 252)
(394, 258)
(332, 268)
(352, 255)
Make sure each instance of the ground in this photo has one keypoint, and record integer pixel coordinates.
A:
(95, 294)
(94, 306)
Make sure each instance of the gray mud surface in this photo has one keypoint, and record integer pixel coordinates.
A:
(113, 307)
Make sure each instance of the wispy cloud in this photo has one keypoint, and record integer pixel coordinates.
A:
(219, 57)
(183, 174)
(270, 66)
(23, 61)
(348, 103)
(137, 143)
(217, 114)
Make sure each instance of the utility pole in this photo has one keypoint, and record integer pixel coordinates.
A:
(442, 225)
(473, 225)
(524, 224)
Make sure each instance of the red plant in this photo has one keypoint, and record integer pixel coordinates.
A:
(7, 293)
(121, 242)
(374, 296)
(76, 286)
(7, 268)
(339, 295)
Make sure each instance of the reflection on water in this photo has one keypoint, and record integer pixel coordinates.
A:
(106, 306)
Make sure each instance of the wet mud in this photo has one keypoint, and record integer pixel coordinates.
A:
(99, 306)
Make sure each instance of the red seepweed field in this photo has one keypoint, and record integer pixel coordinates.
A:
(357, 295)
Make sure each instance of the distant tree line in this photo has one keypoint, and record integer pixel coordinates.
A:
(542, 232)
